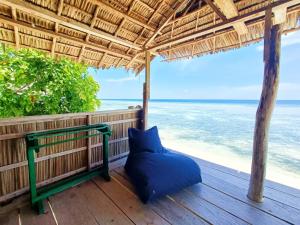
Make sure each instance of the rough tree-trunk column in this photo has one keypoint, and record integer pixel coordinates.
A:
(272, 42)
(146, 94)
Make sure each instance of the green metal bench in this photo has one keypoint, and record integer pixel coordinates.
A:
(33, 145)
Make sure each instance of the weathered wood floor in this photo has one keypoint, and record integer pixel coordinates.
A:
(220, 199)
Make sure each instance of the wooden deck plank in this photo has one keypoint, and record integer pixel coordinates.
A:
(11, 218)
(276, 209)
(139, 213)
(232, 205)
(102, 208)
(246, 176)
(70, 208)
(243, 184)
(239, 209)
(205, 209)
(29, 216)
(166, 206)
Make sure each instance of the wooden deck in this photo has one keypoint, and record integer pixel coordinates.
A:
(220, 199)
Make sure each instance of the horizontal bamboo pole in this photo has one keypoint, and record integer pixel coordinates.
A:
(22, 135)
(43, 118)
(43, 158)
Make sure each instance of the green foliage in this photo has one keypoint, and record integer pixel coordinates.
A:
(32, 83)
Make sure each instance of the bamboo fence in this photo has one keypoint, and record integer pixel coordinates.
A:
(62, 160)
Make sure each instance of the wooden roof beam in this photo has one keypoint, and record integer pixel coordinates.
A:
(94, 19)
(59, 11)
(102, 58)
(16, 29)
(52, 34)
(152, 16)
(229, 10)
(190, 4)
(106, 6)
(157, 31)
(226, 24)
(182, 45)
(164, 23)
(53, 46)
(81, 53)
(150, 19)
(118, 30)
(280, 15)
(216, 10)
(48, 15)
(60, 7)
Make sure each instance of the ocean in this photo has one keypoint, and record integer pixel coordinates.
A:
(221, 131)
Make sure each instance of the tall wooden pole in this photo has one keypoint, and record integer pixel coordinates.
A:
(146, 94)
(272, 43)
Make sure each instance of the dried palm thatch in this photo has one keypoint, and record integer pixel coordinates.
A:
(111, 33)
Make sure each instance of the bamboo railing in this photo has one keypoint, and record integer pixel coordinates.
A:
(59, 161)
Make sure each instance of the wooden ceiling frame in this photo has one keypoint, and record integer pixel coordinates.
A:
(230, 10)
(158, 30)
(149, 7)
(49, 15)
(225, 24)
(116, 33)
(52, 34)
(56, 27)
(195, 42)
(16, 29)
(152, 16)
(104, 5)
(216, 10)
(167, 34)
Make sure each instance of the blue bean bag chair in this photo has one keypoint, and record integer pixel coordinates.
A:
(154, 170)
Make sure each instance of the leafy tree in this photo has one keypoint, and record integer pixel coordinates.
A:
(32, 83)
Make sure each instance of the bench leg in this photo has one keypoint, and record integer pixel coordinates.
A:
(105, 174)
(39, 207)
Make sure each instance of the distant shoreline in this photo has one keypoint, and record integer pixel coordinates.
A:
(232, 101)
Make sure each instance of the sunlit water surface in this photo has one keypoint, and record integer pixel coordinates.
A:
(222, 132)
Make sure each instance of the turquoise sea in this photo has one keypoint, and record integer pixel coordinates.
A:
(221, 131)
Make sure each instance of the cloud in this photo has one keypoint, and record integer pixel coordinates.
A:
(183, 64)
(286, 91)
(287, 40)
(121, 80)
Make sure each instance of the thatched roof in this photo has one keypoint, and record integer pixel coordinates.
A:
(116, 33)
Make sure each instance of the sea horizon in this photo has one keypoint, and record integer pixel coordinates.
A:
(253, 101)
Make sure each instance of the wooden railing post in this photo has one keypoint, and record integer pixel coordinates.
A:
(146, 90)
(89, 143)
(272, 42)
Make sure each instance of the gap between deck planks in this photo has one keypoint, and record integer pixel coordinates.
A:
(269, 207)
(221, 199)
(164, 208)
(269, 211)
(200, 207)
(272, 194)
(278, 204)
(293, 192)
(227, 203)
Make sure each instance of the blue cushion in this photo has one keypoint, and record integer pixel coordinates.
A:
(144, 141)
(159, 174)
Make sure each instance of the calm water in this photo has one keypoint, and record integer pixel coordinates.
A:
(222, 132)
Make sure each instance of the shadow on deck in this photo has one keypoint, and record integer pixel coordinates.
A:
(220, 199)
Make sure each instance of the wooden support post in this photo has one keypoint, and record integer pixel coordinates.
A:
(146, 90)
(89, 143)
(272, 42)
